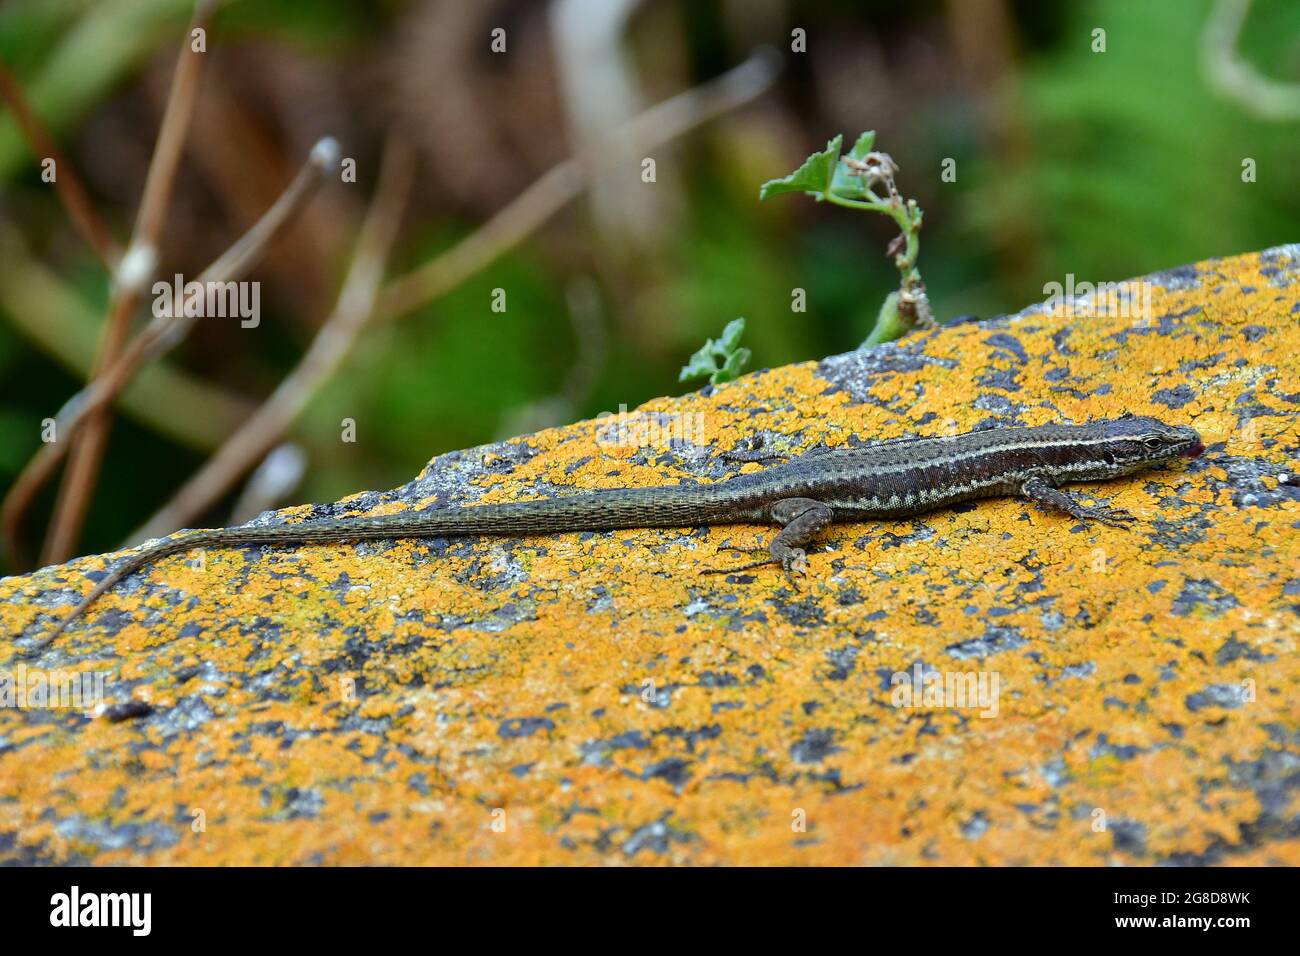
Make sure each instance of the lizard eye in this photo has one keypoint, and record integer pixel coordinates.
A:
(1152, 443)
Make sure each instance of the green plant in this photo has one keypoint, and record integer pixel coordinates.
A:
(851, 181)
(720, 361)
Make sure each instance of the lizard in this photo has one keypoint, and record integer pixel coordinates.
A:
(885, 480)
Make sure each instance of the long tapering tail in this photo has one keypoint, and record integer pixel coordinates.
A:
(659, 507)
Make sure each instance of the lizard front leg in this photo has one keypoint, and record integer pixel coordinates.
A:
(1036, 489)
(801, 520)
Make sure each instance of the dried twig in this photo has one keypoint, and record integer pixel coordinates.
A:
(558, 186)
(131, 276)
(161, 335)
(1234, 77)
(194, 412)
(564, 182)
(280, 472)
(167, 331)
(354, 308)
(67, 185)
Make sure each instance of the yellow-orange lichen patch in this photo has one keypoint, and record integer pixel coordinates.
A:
(990, 685)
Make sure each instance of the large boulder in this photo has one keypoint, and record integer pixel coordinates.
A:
(591, 698)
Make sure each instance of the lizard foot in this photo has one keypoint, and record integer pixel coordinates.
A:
(792, 560)
(1115, 517)
(757, 549)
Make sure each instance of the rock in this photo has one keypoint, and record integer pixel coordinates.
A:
(991, 684)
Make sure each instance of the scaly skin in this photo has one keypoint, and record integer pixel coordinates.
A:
(892, 479)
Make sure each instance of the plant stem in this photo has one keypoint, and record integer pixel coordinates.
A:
(894, 317)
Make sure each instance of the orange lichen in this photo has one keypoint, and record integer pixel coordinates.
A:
(590, 698)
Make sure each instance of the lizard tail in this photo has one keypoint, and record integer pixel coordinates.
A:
(132, 564)
(611, 509)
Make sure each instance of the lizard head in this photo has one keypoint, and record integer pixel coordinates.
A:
(1134, 441)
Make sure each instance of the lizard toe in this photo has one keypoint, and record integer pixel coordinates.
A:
(794, 562)
(1115, 517)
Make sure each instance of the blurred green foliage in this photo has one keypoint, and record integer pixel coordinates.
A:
(719, 360)
(1128, 164)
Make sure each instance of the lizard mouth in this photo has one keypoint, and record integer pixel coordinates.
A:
(1194, 451)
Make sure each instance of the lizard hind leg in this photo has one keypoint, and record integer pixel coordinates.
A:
(802, 519)
(1053, 499)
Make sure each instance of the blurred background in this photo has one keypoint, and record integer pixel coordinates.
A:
(1069, 160)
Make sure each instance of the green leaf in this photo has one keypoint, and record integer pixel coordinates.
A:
(731, 335)
(844, 183)
(865, 144)
(736, 361)
(704, 363)
(701, 365)
(814, 176)
(889, 324)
